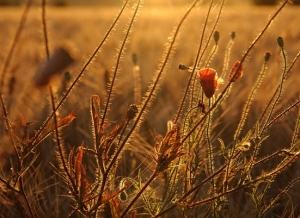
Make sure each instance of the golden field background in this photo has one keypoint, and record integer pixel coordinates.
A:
(81, 28)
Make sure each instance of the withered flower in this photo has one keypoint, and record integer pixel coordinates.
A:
(131, 111)
(234, 74)
(167, 149)
(209, 81)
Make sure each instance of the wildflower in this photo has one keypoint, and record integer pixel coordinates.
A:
(236, 74)
(209, 81)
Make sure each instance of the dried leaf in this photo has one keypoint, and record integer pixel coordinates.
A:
(95, 114)
(77, 166)
(67, 120)
(71, 162)
(83, 185)
(60, 123)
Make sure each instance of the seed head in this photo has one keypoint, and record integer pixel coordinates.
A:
(280, 42)
(232, 35)
(216, 36)
(131, 111)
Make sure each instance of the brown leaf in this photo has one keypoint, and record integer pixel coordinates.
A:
(70, 158)
(83, 185)
(67, 120)
(95, 109)
(77, 165)
(60, 123)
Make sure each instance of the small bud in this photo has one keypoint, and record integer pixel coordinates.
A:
(132, 111)
(280, 42)
(267, 56)
(134, 59)
(182, 67)
(232, 35)
(216, 36)
(67, 76)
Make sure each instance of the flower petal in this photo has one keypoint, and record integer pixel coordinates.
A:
(208, 79)
(233, 76)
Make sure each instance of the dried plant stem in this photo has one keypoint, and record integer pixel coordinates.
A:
(279, 91)
(212, 54)
(242, 61)
(211, 162)
(107, 171)
(227, 57)
(79, 75)
(116, 155)
(278, 87)
(45, 28)
(282, 113)
(153, 88)
(19, 163)
(280, 167)
(124, 42)
(296, 132)
(152, 177)
(263, 177)
(15, 42)
(260, 178)
(194, 190)
(247, 105)
(59, 146)
(192, 75)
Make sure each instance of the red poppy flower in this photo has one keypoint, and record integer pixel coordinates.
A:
(209, 81)
(235, 76)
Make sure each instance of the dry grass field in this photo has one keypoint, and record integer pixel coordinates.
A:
(79, 30)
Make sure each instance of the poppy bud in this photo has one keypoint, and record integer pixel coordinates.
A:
(280, 42)
(267, 56)
(216, 36)
(232, 35)
(234, 74)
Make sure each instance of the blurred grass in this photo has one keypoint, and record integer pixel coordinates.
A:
(82, 28)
